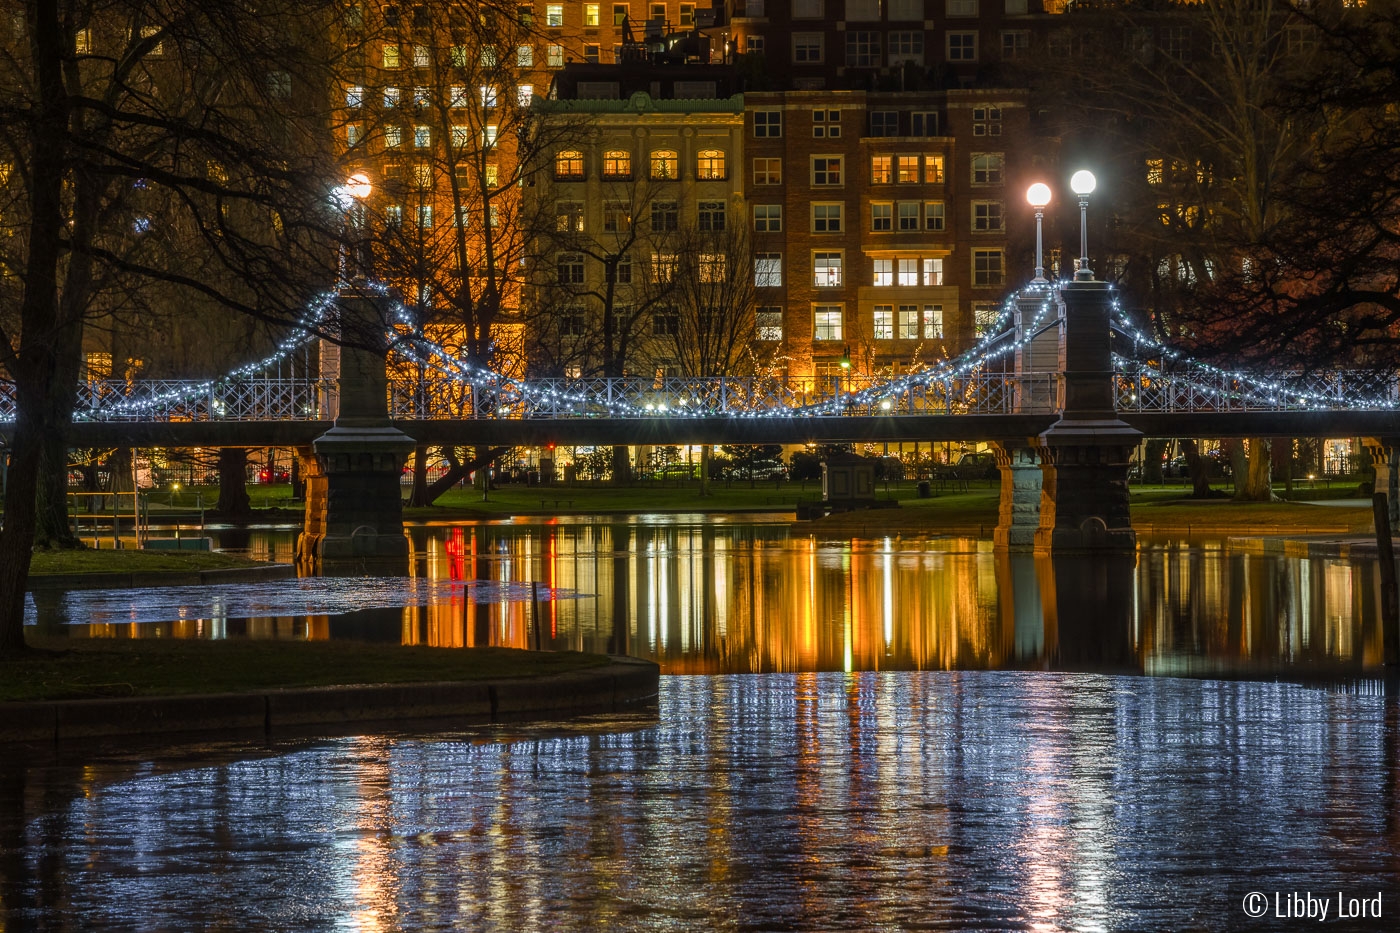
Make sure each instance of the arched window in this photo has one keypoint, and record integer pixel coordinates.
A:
(709, 165)
(665, 163)
(617, 163)
(568, 164)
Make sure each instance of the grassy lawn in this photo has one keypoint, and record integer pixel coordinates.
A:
(63, 668)
(641, 497)
(133, 561)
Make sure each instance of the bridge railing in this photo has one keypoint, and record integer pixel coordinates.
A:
(268, 399)
(1147, 388)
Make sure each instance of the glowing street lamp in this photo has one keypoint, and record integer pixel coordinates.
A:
(350, 198)
(1038, 195)
(1083, 183)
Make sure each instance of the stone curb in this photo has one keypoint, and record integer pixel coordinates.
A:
(121, 581)
(624, 683)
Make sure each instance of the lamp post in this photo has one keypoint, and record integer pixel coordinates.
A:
(1082, 183)
(350, 197)
(1038, 195)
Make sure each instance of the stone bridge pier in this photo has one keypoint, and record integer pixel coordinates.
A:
(1385, 461)
(354, 509)
(1066, 491)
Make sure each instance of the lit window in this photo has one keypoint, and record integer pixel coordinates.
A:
(488, 96)
(933, 169)
(908, 272)
(393, 215)
(617, 163)
(150, 32)
(882, 327)
(568, 216)
(907, 169)
(987, 268)
(768, 218)
(709, 165)
(423, 176)
(617, 218)
(393, 137)
(421, 57)
(568, 164)
(767, 171)
(391, 56)
(826, 270)
(882, 217)
(826, 218)
(493, 174)
(590, 14)
(421, 98)
(458, 96)
(354, 96)
(422, 137)
(768, 323)
(425, 216)
(663, 267)
(391, 98)
(933, 271)
(461, 135)
(525, 94)
(884, 272)
(352, 134)
(881, 169)
(459, 56)
(554, 14)
(984, 316)
(933, 322)
(82, 42)
(826, 322)
(1154, 171)
(768, 270)
(908, 322)
(555, 56)
(711, 267)
(665, 164)
(488, 135)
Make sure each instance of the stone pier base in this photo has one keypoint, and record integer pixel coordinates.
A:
(1019, 514)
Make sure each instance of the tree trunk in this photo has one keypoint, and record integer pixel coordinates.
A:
(418, 494)
(621, 465)
(51, 527)
(234, 502)
(43, 402)
(705, 450)
(1152, 460)
(1253, 483)
(1199, 467)
(458, 469)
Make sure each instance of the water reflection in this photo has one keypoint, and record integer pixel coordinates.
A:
(966, 800)
(709, 597)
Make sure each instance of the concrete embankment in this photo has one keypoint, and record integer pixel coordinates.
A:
(621, 684)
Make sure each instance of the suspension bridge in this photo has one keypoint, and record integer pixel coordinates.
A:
(1061, 385)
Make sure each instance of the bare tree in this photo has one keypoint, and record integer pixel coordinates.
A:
(175, 148)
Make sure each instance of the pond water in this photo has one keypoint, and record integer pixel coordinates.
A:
(891, 734)
(756, 597)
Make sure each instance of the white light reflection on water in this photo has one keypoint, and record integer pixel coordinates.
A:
(952, 801)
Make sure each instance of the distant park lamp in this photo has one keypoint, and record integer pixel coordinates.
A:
(1038, 195)
(1083, 183)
